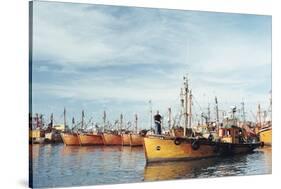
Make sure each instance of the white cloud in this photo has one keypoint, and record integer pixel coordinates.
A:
(221, 53)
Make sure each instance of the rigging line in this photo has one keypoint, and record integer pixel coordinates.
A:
(194, 99)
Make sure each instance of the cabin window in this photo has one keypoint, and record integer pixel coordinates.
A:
(228, 132)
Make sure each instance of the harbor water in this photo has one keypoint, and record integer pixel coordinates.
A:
(56, 165)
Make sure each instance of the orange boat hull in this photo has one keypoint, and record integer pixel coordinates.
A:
(136, 140)
(126, 139)
(90, 139)
(112, 139)
(70, 139)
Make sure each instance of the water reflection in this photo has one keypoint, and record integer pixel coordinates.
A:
(174, 170)
(258, 162)
(59, 165)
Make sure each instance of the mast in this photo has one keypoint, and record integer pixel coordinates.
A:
(190, 107)
(82, 123)
(170, 118)
(37, 120)
(41, 121)
(209, 114)
(151, 115)
(73, 122)
(217, 112)
(104, 120)
(52, 120)
(185, 104)
(270, 107)
(243, 113)
(64, 117)
(259, 114)
(136, 123)
(264, 116)
(121, 122)
(182, 105)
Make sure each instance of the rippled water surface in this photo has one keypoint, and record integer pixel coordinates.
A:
(59, 165)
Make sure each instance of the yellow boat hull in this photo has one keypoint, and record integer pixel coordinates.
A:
(266, 136)
(172, 149)
(161, 149)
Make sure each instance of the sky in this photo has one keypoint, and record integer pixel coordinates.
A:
(113, 58)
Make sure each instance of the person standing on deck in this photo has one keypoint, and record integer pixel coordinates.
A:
(157, 121)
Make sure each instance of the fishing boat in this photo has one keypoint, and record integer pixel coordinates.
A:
(113, 138)
(87, 139)
(169, 148)
(265, 130)
(265, 135)
(52, 133)
(70, 138)
(36, 132)
(36, 136)
(53, 137)
(136, 139)
(126, 139)
(125, 133)
(160, 148)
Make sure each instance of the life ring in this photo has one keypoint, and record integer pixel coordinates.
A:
(195, 145)
(177, 141)
(262, 144)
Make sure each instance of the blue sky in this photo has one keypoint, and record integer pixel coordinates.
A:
(112, 58)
